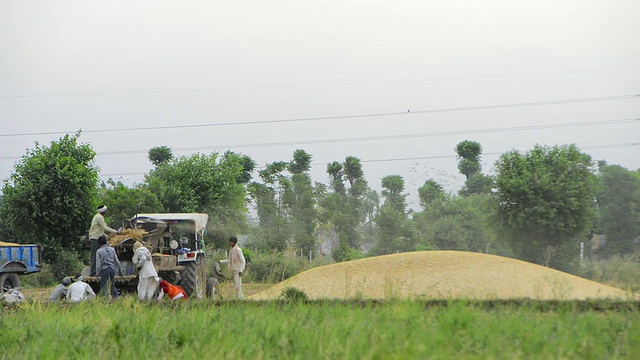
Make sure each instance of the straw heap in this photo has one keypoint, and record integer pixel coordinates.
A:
(125, 234)
(2, 243)
(441, 275)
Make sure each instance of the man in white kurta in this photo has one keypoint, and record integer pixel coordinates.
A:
(147, 274)
(236, 264)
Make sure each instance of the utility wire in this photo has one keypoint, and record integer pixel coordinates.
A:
(603, 146)
(272, 87)
(383, 137)
(319, 118)
(390, 137)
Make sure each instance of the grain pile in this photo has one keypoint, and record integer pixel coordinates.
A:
(441, 275)
(2, 243)
(125, 234)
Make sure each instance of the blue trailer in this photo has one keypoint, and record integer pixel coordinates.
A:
(17, 259)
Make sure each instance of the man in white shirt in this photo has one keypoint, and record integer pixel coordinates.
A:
(80, 291)
(236, 264)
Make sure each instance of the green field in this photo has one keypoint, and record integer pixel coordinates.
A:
(128, 329)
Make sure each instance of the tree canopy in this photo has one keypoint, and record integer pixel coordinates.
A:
(545, 200)
(619, 206)
(160, 155)
(50, 198)
(469, 157)
(125, 202)
(211, 184)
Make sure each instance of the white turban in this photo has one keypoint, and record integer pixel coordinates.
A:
(102, 209)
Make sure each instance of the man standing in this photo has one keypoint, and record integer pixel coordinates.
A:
(147, 274)
(98, 228)
(80, 291)
(236, 264)
(107, 265)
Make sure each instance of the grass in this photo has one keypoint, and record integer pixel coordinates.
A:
(127, 328)
(358, 329)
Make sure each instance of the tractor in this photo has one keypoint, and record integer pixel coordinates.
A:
(176, 242)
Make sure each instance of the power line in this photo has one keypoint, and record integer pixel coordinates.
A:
(383, 137)
(273, 87)
(319, 118)
(602, 146)
(391, 137)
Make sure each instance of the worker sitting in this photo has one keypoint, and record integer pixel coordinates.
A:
(80, 291)
(60, 291)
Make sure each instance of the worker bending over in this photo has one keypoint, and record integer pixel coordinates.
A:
(174, 292)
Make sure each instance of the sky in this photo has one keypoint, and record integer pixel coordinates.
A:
(395, 83)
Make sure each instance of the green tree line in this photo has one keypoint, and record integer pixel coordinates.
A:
(537, 205)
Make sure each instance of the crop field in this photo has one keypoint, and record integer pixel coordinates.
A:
(126, 328)
(353, 310)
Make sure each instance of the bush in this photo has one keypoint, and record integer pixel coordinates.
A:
(274, 267)
(271, 267)
(66, 263)
(44, 278)
(294, 295)
(620, 271)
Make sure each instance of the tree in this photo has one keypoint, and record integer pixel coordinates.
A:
(273, 233)
(477, 184)
(369, 211)
(469, 154)
(300, 163)
(394, 229)
(286, 205)
(248, 166)
(459, 223)
(125, 203)
(393, 188)
(211, 184)
(545, 202)
(469, 165)
(160, 155)
(430, 191)
(342, 208)
(619, 206)
(50, 198)
(302, 202)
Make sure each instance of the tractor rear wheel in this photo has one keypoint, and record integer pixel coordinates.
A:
(9, 281)
(193, 279)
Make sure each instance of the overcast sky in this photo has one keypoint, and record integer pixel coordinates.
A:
(395, 83)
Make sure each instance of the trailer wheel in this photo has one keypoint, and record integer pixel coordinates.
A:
(193, 279)
(9, 281)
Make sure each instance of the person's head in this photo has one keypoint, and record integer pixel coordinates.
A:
(102, 209)
(137, 245)
(79, 278)
(66, 281)
(102, 240)
(233, 241)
